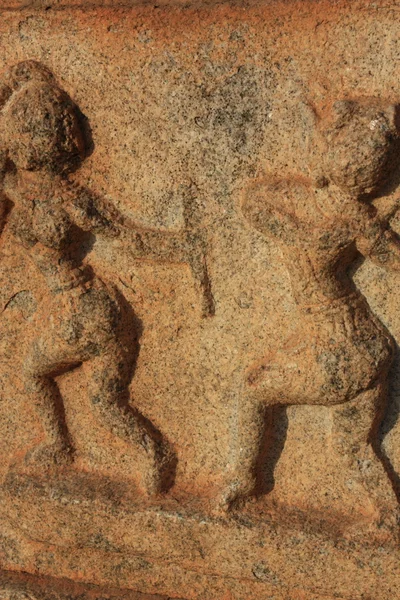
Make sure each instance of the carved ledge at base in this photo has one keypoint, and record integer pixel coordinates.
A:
(199, 265)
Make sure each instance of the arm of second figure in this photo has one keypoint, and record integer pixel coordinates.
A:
(380, 243)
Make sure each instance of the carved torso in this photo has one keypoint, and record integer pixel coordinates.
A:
(344, 347)
(40, 222)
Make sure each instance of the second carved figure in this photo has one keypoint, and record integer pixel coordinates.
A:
(342, 354)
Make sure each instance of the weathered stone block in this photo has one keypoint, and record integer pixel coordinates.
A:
(199, 260)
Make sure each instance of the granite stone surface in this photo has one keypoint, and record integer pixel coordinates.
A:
(199, 267)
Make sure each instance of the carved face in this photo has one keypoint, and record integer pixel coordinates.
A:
(361, 144)
(42, 129)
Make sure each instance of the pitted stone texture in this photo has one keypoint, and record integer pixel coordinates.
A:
(189, 109)
(14, 586)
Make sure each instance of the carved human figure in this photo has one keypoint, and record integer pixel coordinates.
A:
(341, 354)
(82, 319)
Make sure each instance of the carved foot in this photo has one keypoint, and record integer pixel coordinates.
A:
(47, 456)
(234, 495)
(368, 474)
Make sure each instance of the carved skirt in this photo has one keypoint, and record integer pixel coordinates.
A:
(340, 350)
(71, 326)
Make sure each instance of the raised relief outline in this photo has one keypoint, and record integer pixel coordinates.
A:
(83, 319)
(342, 353)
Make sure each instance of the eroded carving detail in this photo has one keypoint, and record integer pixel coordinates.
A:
(12, 594)
(21, 586)
(82, 319)
(341, 354)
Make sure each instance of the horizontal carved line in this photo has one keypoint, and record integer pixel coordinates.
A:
(50, 588)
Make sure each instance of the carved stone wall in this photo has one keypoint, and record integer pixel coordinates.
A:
(199, 263)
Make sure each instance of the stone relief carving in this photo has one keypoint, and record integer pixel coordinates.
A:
(341, 354)
(12, 594)
(339, 358)
(82, 319)
(149, 448)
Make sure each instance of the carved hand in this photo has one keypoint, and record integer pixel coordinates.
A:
(90, 212)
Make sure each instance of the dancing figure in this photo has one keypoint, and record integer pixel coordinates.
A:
(341, 354)
(81, 319)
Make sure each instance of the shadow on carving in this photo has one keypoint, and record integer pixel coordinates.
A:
(392, 413)
(83, 320)
(341, 354)
(271, 447)
(129, 332)
(390, 421)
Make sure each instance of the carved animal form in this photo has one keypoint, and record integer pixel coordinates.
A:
(82, 320)
(341, 355)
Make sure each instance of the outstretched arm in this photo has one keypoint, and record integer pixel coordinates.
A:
(189, 246)
(92, 213)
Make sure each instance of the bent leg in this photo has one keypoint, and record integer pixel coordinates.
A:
(354, 436)
(45, 359)
(109, 395)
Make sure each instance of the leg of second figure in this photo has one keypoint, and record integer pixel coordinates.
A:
(247, 438)
(355, 438)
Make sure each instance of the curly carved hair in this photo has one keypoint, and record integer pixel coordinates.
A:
(41, 125)
(355, 144)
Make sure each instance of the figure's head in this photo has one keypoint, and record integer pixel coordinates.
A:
(40, 125)
(358, 145)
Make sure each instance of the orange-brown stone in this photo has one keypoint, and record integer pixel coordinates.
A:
(199, 260)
